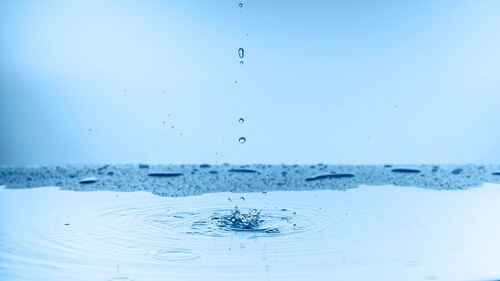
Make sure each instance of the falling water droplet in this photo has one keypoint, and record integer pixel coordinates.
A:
(242, 198)
(240, 4)
(242, 140)
(241, 53)
(241, 120)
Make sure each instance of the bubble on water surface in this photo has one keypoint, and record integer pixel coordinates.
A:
(242, 140)
(121, 278)
(241, 120)
(176, 254)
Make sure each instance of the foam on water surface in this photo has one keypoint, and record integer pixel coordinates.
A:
(369, 233)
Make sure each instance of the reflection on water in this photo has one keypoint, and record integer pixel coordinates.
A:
(370, 233)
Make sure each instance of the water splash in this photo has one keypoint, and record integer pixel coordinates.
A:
(239, 221)
(372, 227)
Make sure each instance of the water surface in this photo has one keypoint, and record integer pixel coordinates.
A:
(369, 233)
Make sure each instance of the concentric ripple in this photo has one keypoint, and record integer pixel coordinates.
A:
(216, 222)
(371, 232)
(221, 222)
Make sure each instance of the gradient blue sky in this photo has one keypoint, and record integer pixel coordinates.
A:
(323, 81)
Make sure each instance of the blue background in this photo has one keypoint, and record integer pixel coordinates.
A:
(322, 81)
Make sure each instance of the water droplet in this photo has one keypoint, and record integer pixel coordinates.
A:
(242, 198)
(242, 140)
(240, 4)
(241, 62)
(229, 199)
(241, 120)
(241, 53)
(267, 176)
(294, 213)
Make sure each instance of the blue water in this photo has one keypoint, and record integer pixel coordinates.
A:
(368, 233)
(109, 83)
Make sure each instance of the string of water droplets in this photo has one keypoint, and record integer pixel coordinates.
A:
(241, 55)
